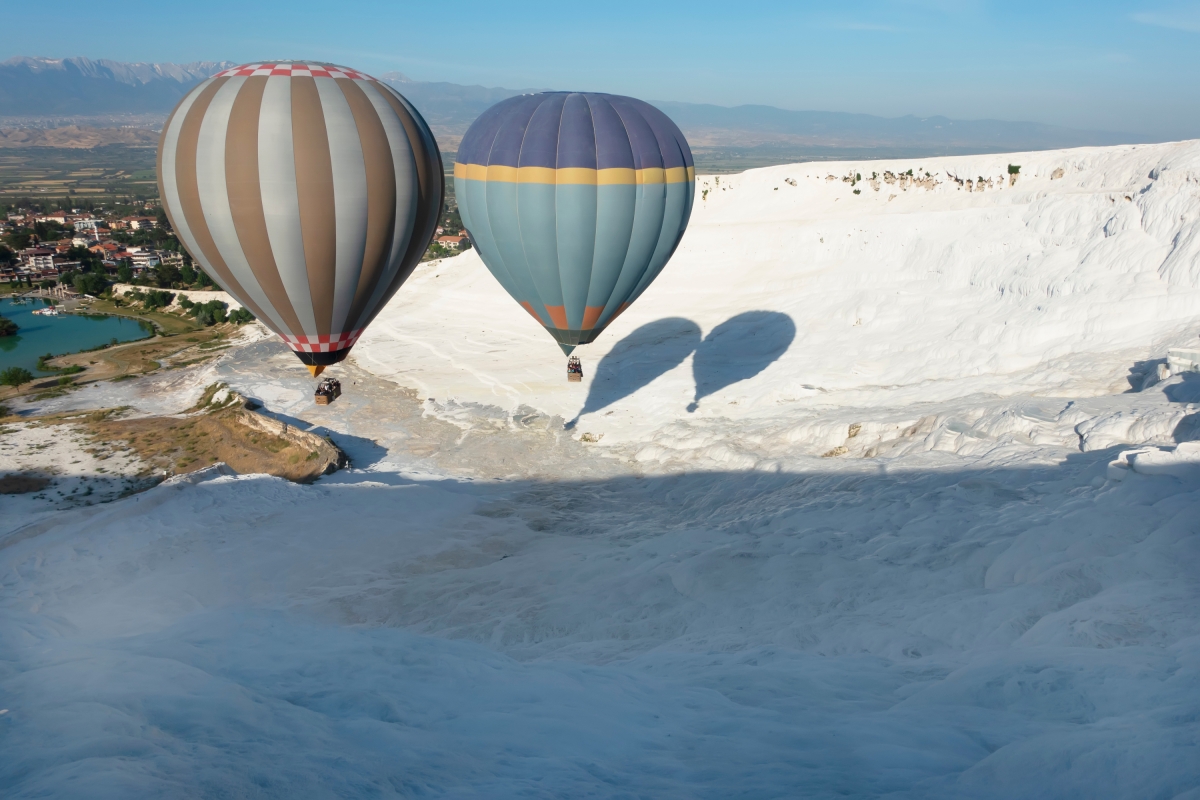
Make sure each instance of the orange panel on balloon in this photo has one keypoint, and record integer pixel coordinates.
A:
(528, 306)
(558, 315)
(590, 315)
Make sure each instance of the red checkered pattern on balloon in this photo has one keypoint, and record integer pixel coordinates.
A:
(294, 70)
(322, 344)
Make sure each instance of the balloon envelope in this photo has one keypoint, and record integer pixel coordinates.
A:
(307, 191)
(575, 202)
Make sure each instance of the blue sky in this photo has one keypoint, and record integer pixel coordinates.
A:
(1132, 66)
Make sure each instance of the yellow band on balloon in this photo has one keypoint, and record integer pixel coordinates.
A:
(574, 175)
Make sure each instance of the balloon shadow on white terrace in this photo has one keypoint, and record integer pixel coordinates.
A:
(739, 348)
(650, 351)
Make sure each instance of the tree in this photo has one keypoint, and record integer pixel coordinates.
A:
(89, 283)
(209, 313)
(203, 279)
(166, 275)
(15, 376)
(88, 261)
(8, 327)
(187, 274)
(156, 299)
(19, 239)
(124, 273)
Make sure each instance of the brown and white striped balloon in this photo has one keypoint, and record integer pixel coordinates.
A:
(308, 192)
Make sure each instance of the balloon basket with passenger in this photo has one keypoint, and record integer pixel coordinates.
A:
(328, 390)
(574, 370)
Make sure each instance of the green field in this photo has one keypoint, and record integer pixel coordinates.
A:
(101, 174)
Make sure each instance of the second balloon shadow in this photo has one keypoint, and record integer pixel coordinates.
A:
(737, 349)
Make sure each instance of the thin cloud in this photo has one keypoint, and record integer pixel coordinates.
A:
(1187, 20)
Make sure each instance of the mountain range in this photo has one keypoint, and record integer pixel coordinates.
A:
(51, 92)
(452, 107)
(82, 86)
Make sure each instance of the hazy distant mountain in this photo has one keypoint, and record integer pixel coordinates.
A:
(77, 137)
(76, 87)
(80, 86)
(451, 108)
(839, 129)
(449, 104)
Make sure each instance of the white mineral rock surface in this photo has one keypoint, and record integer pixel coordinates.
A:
(986, 588)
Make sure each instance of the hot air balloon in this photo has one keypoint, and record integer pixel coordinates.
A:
(306, 191)
(575, 202)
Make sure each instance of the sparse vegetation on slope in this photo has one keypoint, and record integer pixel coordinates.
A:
(219, 429)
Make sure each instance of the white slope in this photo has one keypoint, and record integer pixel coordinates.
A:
(988, 590)
(897, 296)
(946, 630)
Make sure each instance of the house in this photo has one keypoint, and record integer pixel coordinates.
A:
(451, 242)
(37, 258)
(106, 249)
(144, 260)
(87, 224)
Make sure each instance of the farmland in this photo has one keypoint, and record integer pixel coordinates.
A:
(100, 175)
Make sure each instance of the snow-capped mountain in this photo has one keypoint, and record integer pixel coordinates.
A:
(78, 86)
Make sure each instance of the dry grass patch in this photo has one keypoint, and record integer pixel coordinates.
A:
(147, 355)
(230, 434)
